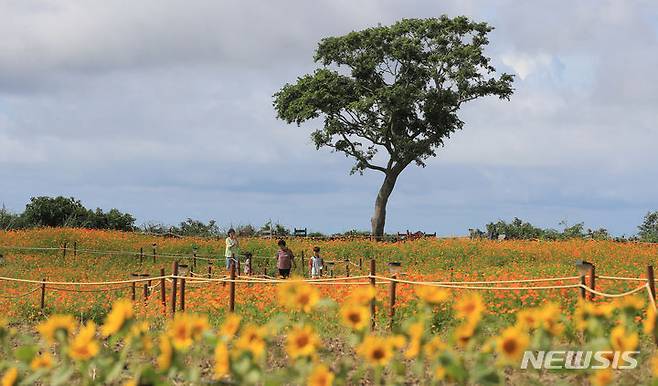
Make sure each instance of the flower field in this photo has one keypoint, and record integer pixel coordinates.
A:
(473, 329)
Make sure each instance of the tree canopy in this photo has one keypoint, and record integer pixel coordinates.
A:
(388, 96)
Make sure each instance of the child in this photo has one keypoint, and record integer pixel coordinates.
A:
(285, 259)
(247, 263)
(316, 263)
(231, 248)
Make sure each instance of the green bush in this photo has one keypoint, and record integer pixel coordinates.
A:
(648, 230)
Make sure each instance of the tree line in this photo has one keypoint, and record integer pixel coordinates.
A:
(518, 229)
(61, 211)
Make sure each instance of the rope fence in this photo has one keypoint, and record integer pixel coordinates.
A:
(179, 281)
(189, 276)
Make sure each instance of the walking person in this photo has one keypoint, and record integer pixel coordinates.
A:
(315, 263)
(285, 259)
(232, 247)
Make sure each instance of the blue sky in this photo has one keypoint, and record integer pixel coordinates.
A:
(164, 109)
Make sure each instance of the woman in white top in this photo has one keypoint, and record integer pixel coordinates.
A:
(231, 248)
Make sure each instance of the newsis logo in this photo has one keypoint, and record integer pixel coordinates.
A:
(580, 360)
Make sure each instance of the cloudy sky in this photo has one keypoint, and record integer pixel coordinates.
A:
(164, 109)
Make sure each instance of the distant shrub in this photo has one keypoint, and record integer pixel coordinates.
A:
(648, 230)
(277, 229)
(246, 230)
(67, 212)
(518, 229)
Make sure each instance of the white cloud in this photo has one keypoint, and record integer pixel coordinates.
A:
(525, 64)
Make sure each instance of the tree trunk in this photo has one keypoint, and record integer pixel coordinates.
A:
(379, 217)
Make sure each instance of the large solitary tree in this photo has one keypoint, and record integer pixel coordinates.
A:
(388, 96)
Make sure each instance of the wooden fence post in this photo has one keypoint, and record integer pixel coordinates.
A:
(146, 286)
(209, 269)
(651, 281)
(194, 261)
(231, 287)
(174, 283)
(583, 292)
(182, 294)
(372, 302)
(133, 287)
(592, 281)
(391, 312)
(360, 264)
(163, 290)
(75, 248)
(64, 250)
(141, 255)
(154, 246)
(43, 294)
(347, 267)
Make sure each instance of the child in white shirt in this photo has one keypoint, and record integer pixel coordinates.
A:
(316, 263)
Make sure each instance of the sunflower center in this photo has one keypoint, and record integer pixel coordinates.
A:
(302, 341)
(303, 299)
(354, 318)
(510, 346)
(378, 353)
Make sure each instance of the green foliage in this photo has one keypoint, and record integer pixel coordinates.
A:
(54, 212)
(192, 227)
(247, 230)
(394, 88)
(517, 229)
(9, 220)
(389, 95)
(648, 230)
(277, 229)
(66, 212)
(189, 227)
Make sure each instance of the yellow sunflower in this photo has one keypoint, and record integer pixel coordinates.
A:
(623, 340)
(355, 316)
(439, 373)
(10, 377)
(464, 332)
(298, 295)
(122, 312)
(415, 332)
(432, 295)
(43, 361)
(362, 295)
(630, 303)
(602, 377)
(166, 355)
(376, 350)
(302, 342)
(434, 347)
(222, 361)
(252, 340)
(321, 376)
(470, 306)
(83, 346)
(512, 343)
(230, 326)
(50, 329)
(549, 316)
(528, 319)
(185, 329)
